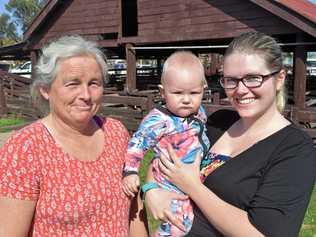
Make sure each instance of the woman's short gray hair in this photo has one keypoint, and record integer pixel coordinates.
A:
(47, 66)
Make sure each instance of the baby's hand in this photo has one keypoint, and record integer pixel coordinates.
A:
(131, 184)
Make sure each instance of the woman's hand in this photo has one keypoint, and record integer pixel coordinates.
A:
(184, 176)
(158, 202)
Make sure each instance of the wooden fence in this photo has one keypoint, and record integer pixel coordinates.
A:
(129, 108)
(15, 96)
(15, 100)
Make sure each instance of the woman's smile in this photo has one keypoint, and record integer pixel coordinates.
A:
(245, 100)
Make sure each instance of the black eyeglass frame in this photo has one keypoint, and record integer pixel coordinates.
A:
(264, 78)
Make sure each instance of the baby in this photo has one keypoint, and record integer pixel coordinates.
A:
(181, 123)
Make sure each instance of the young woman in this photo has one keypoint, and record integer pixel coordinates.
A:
(264, 167)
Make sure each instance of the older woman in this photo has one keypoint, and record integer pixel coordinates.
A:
(263, 169)
(62, 174)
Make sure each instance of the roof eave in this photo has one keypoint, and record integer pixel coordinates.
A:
(39, 19)
(305, 25)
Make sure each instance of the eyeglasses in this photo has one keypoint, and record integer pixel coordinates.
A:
(250, 81)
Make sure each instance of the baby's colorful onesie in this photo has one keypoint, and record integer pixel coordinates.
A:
(187, 137)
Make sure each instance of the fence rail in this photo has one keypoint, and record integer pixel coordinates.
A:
(129, 108)
(15, 98)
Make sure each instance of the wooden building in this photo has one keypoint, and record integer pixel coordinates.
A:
(134, 29)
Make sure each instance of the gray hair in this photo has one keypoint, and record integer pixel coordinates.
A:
(183, 58)
(268, 48)
(47, 66)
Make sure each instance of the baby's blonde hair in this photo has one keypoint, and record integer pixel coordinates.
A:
(184, 59)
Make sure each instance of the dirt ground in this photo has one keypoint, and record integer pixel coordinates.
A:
(3, 137)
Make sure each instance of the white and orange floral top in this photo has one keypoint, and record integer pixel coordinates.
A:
(74, 198)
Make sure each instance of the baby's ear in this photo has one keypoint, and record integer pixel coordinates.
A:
(161, 90)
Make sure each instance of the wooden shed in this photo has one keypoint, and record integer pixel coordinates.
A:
(134, 29)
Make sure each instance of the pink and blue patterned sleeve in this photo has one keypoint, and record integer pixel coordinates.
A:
(147, 135)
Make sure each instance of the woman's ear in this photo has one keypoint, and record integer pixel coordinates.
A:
(161, 90)
(44, 92)
(280, 80)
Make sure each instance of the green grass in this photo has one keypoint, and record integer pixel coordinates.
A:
(11, 121)
(7, 123)
(152, 223)
(308, 228)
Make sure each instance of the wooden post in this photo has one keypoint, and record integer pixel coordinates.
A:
(11, 88)
(3, 104)
(159, 67)
(130, 84)
(300, 55)
(33, 60)
(300, 76)
(214, 62)
(150, 102)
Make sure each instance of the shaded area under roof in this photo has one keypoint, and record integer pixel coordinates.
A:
(16, 51)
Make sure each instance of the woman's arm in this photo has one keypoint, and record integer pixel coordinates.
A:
(15, 216)
(226, 218)
(158, 202)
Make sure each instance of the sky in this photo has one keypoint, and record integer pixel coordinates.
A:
(3, 2)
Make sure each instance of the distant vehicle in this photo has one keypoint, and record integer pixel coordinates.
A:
(24, 70)
(311, 68)
(117, 67)
(143, 68)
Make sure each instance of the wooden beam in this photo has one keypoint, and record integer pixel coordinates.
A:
(288, 15)
(120, 26)
(40, 17)
(130, 84)
(3, 104)
(34, 61)
(300, 56)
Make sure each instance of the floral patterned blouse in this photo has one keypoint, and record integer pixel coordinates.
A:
(73, 197)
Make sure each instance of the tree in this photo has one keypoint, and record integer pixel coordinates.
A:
(8, 32)
(24, 11)
(19, 17)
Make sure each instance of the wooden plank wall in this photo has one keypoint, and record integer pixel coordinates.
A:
(197, 19)
(87, 18)
(17, 96)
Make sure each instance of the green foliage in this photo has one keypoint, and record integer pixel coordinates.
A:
(24, 11)
(7, 30)
(20, 14)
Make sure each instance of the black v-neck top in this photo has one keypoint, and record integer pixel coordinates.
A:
(272, 180)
